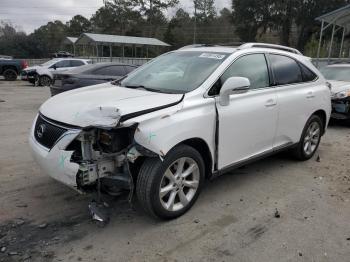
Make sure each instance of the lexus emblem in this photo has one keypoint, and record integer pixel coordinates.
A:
(40, 131)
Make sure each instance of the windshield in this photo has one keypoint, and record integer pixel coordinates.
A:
(336, 73)
(48, 63)
(177, 72)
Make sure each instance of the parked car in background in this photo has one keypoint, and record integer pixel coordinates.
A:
(42, 74)
(89, 75)
(185, 116)
(5, 57)
(11, 68)
(338, 75)
(62, 54)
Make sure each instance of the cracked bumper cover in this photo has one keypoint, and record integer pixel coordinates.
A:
(56, 162)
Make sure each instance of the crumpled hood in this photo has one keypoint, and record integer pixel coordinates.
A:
(339, 86)
(30, 68)
(102, 105)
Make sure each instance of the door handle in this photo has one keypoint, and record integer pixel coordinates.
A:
(271, 102)
(310, 94)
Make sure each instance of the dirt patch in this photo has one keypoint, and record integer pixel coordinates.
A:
(22, 240)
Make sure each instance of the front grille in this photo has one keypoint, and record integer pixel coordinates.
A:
(47, 133)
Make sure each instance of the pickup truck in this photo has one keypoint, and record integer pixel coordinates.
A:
(10, 68)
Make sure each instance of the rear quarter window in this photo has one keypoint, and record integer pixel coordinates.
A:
(308, 75)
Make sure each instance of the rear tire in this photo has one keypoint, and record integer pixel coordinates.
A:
(10, 75)
(45, 81)
(167, 189)
(310, 139)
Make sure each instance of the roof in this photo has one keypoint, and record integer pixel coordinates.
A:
(70, 40)
(204, 48)
(87, 38)
(340, 17)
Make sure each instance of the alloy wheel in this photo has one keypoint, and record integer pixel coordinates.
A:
(179, 184)
(312, 138)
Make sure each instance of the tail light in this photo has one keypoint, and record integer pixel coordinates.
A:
(24, 64)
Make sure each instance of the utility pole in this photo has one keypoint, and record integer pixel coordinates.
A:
(195, 22)
(150, 17)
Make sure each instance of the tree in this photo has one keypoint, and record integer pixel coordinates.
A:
(205, 10)
(250, 16)
(177, 33)
(78, 25)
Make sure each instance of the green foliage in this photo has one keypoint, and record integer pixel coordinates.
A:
(289, 22)
(205, 10)
(78, 25)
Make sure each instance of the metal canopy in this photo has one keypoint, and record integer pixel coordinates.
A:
(339, 20)
(339, 17)
(101, 39)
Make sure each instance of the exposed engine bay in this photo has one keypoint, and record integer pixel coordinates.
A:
(104, 156)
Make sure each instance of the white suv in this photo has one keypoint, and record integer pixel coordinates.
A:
(185, 116)
(43, 74)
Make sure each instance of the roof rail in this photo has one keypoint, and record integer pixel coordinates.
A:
(272, 46)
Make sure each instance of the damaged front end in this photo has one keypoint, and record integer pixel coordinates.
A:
(97, 157)
(103, 156)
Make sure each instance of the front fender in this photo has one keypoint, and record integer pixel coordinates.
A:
(161, 133)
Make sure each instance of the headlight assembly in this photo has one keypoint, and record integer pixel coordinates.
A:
(342, 94)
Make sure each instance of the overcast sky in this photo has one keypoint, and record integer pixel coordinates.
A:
(28, 15)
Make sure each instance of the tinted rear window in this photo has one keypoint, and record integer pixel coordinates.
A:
(286, 70)
(308, 75)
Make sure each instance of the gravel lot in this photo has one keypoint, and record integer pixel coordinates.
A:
(233, 220)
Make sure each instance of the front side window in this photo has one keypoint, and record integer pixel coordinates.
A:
(253, 67)
(286, 70)
(63, 63)
(177, 72)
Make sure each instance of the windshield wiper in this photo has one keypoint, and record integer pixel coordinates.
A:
(118, 81)
(144, 88)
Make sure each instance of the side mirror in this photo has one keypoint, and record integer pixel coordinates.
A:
(233, 85)
(54, 67)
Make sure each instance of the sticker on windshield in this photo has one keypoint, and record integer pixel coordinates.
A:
(212, 56)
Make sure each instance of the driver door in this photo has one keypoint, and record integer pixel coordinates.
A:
(247, 126)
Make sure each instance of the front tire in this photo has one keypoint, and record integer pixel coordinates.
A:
(45, 81)
(310, 139)
(167, 189)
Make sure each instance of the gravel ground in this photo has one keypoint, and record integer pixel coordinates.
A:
(234, 219)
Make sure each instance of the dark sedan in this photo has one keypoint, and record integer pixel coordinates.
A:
(89, 75)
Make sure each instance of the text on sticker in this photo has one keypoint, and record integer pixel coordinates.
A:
(212, 56)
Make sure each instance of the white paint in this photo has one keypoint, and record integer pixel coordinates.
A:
(56, 162)
(48, 69)
(252, 123)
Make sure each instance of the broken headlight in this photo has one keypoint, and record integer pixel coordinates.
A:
(116, 140)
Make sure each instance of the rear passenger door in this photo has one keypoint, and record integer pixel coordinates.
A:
(294, 84)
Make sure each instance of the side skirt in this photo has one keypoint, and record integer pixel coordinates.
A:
(253, 159)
